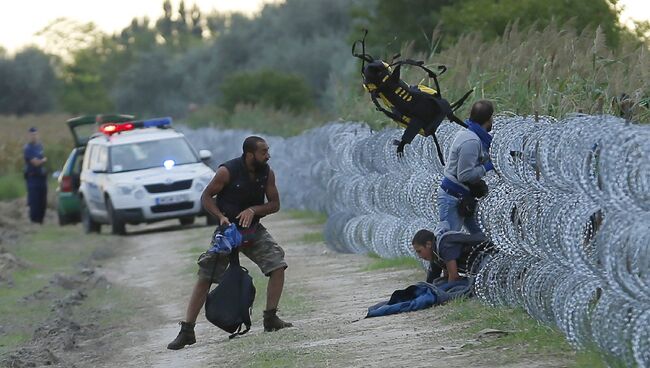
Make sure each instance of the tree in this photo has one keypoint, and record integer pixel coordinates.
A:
(182, 35)
(216, 23)
(28, 83)
(302, 37)
(391, 23)
(196, 28)
(642, 31)
(490, 17)
(84, 89)
(165, 24)
(63, 36)
(151, 86)
(267, 88)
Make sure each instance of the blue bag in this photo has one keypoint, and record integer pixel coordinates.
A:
(225, 239)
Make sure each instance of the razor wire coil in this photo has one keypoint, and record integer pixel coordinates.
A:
(568, 210)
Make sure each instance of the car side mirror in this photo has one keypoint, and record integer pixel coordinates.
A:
(205, 155)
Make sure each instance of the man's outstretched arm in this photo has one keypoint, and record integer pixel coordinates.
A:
(452, 271)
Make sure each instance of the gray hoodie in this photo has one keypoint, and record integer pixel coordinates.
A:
(466, 158)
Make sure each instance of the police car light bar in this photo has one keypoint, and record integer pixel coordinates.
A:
(112, 128)
(157, 122)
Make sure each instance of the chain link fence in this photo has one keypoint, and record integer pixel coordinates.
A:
(568, 209)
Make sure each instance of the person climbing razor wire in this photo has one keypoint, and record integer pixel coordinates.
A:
(452, 253)
(467, 163)
(241, 186)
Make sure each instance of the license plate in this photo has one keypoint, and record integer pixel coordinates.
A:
(172, 199)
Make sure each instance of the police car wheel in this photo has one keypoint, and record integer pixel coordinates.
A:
(189, 220)
(118, 227)
(63, 219)
(87, 222)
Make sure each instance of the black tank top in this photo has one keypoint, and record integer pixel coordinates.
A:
(241, 192)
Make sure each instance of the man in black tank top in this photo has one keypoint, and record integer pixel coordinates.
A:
(241, 186)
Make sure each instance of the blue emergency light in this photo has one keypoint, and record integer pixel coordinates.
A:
(157, 122)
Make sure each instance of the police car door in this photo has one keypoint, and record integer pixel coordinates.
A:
(96, 180)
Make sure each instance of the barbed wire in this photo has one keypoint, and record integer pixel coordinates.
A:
(568, 210)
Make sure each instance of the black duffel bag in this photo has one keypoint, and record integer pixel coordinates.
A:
(228, 306)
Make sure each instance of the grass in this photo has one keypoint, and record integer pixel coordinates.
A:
(280, 349)
(10, 340)
(272, 359)
(195, 250)
(192, 252)
(292, 303)
(258, 119)
(51, 250)
(12, 185)
(54, 133)
(60, 250)
(191, 255)
(109, 307)
(312, 238)
(379, 263)
(20, 318)
(285, 358)
(525, 337)
(309, 217)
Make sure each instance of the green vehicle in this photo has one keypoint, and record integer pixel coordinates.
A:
(82, 128)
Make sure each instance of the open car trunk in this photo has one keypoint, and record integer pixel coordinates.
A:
(83, 127)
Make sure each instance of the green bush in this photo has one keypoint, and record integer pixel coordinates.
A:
(208, 115)
(12, 186)
(267, 88)
(260, 119)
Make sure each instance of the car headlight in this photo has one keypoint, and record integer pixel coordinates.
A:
(125, 189)
(202, 181)
(139, 194)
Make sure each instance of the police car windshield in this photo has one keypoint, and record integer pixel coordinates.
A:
(150, 154)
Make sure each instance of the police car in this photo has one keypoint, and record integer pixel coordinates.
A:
(141, 172)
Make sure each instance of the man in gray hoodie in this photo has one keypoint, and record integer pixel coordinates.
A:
(468, 162)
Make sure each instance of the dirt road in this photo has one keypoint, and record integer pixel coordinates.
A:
(324, 293)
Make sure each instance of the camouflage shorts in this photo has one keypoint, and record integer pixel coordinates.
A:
(264, 252)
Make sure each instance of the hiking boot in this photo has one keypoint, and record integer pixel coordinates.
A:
(272, 322)
(185, 337)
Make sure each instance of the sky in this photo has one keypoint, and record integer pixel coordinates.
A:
(20, 20)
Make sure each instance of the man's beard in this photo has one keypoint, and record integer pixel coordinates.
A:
(260, 166)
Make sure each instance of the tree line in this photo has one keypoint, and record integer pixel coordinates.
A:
(292, 55)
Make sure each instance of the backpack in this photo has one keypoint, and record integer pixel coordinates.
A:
(228, 306)
(420, 109)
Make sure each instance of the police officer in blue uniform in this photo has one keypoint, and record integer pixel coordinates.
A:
(35, 175)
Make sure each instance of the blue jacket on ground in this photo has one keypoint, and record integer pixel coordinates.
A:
(420, 296)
